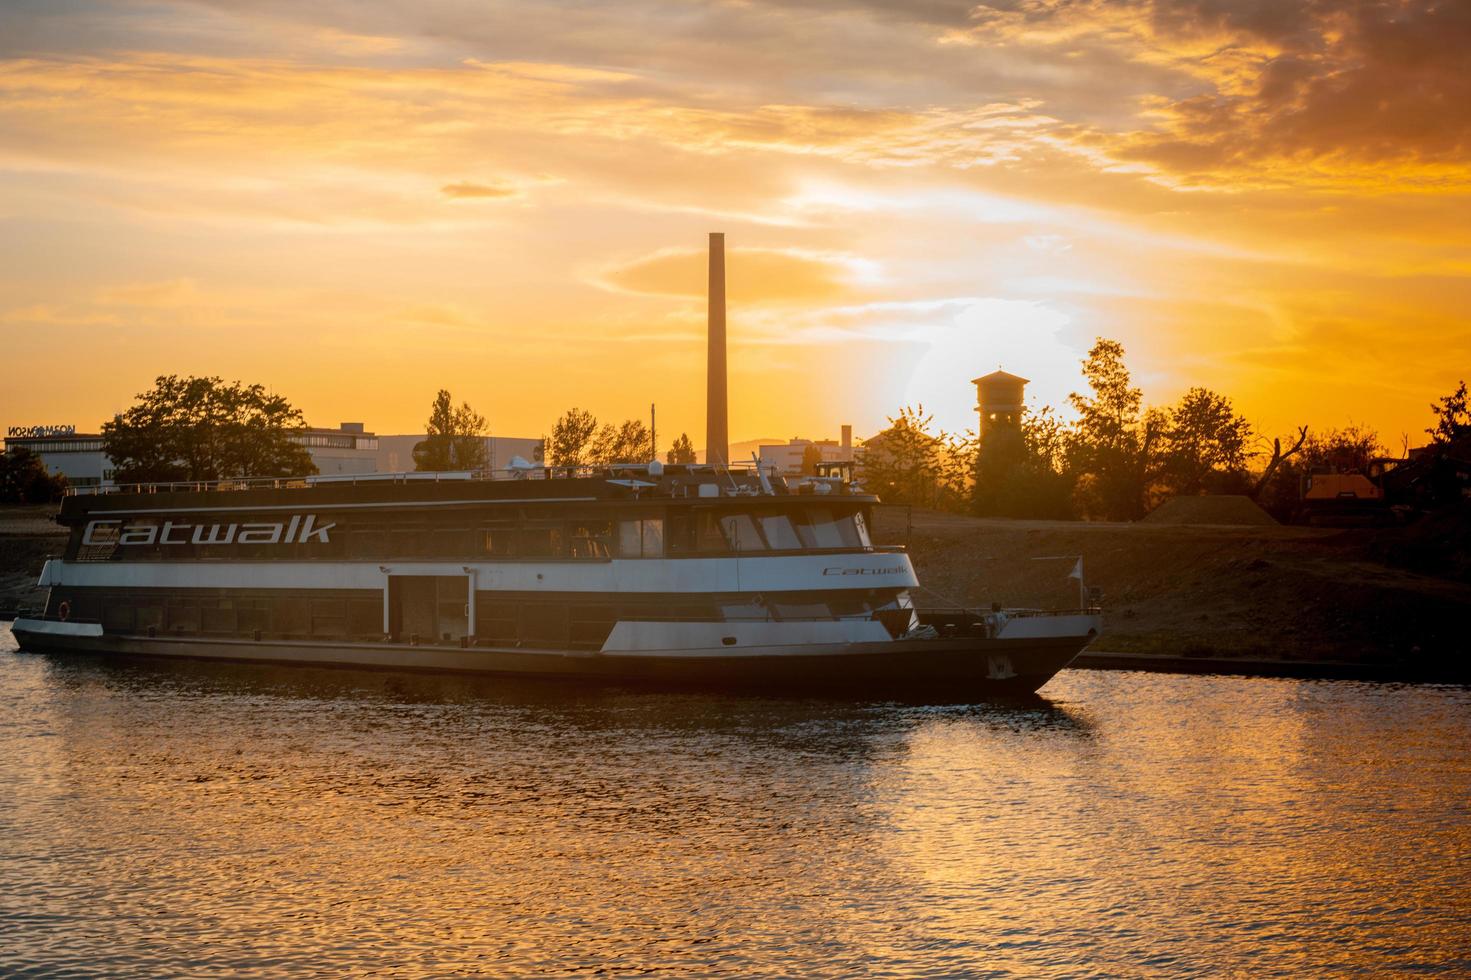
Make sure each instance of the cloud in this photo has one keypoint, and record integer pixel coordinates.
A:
(170, 294)
(1206, 180)
(466, 189)
(754, 275)
(1281, 91)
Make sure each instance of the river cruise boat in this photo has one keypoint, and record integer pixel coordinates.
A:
(715, 576)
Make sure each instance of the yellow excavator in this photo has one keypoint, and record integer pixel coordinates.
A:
(1333, 497)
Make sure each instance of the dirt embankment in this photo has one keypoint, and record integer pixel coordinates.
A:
(1195, 590)
(28, 536)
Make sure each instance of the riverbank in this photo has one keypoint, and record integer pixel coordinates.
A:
(1204, 598)
(28, 536)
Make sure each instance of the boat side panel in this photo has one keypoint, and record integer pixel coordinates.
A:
(860, 570)
(952, 666)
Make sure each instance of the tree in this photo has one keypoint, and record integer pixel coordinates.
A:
(1022, 473)
(630, 442)
(1452, 417)
(24, 479)
(905, 462)
(1346, 450)
(204, 429)
(456, 438)
(811, 456)
(683, 451)
(1112, 444)
(1203, 445)
(571, 436)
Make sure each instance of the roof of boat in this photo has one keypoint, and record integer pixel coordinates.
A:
(694, 484)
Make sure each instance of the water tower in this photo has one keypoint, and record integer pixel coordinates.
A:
(999, 399)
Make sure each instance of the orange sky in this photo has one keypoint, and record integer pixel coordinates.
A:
(359, 203)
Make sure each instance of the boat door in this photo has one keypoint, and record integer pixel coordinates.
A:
(435, 608)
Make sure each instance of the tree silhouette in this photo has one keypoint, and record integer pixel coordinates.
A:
(683, 451)
(1203, 441)
(194, 428)
(626, 443)
(571, 436)
(456, 438)
(1452, 417)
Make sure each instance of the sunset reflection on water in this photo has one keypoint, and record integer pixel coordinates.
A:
(187, 818)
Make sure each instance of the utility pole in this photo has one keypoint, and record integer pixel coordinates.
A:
(653, 434)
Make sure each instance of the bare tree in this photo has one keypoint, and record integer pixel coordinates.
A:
(1278, 458)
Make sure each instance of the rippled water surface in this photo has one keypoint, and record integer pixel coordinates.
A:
(173, 819)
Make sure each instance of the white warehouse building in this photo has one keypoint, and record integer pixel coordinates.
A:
(80, 458)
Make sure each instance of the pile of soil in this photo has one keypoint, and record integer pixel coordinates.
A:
(1223, 509)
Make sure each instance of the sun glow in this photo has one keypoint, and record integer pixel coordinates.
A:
(425, 199)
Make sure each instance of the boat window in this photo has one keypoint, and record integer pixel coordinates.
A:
(292, 616)
(821, 528)
(802, 610)
(254, 616)
(860, 527)
(740, 532)
(591, 539)
(544, 624)
(849, 608)
(708, 536)
(450, 542)
(779, 532)
(641, 538)
(738, 611)
(365, 617)
(117, 615)
(183, 616)
(817, 529)
(591, 624)
(539, 542)
(677, 534)
(329, 617)
(497, 540)
(150, 615)
(216, 616)
(406, 542)
(495, 621)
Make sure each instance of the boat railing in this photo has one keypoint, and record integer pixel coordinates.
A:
(1010, 612)
(531, 472)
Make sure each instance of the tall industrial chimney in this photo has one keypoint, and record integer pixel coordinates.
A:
(717, 432)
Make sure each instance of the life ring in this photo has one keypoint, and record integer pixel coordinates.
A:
(64, 611)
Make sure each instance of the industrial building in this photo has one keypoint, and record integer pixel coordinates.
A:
(64, 452)
(346, 449)
(79, 457)
(786, 458)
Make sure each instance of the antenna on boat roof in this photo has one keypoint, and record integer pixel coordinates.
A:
(761, 475)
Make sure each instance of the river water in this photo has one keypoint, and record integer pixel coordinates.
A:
(180, 819)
